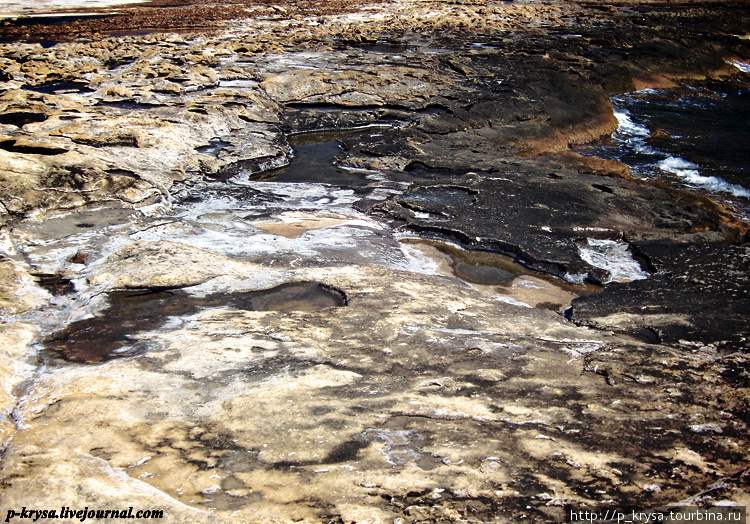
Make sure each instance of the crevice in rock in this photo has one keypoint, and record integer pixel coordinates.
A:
(603, 371)
(414, 207)
(130, 105)
(125, 173)
(7, 210)
(253, 167)
(13, 147)
(21, 118)
(55, 283)
(603, 188)
(58, 87)
(214, 146)
(119, 140)
(420, 168)
(330, 106)
(643, 259)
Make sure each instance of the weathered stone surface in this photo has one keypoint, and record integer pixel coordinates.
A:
(697, 295)
(366, 410)
(74, 477)
(130, 164)
(20, 292)
(542, 215)
(127, 145)
(134, 267)
(15, 339)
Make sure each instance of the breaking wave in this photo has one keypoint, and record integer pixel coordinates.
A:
(690, 173)
(694, 122)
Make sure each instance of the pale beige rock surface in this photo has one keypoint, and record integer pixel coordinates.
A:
(402, 394)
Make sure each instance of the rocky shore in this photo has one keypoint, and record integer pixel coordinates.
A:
(342, 262)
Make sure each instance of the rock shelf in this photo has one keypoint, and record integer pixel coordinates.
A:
(164, 201)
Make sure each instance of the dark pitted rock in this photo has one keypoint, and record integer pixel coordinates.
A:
(542, 215)
(700, 294)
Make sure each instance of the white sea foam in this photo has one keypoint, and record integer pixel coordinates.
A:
(678, 166)
(690, 173)
(613, 257)
(632, 134)
(575, 278)
(742, 66)
(626, 125)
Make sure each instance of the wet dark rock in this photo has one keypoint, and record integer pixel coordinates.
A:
(510, 104)
(129, 105)
(658, 137)
(699, 294)
(540, 218)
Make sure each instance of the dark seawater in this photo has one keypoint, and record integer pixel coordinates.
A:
(314, 156)
(691, 137)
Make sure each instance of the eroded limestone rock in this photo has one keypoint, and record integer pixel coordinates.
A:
(425, 397)
(399, 398)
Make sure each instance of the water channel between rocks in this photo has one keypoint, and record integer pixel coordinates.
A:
(693, 137)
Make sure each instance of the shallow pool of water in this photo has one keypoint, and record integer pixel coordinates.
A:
(113, 332)
(313, 161)
(513, 283)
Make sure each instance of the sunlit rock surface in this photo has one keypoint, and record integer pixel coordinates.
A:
(421, 394)
(440, 315)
